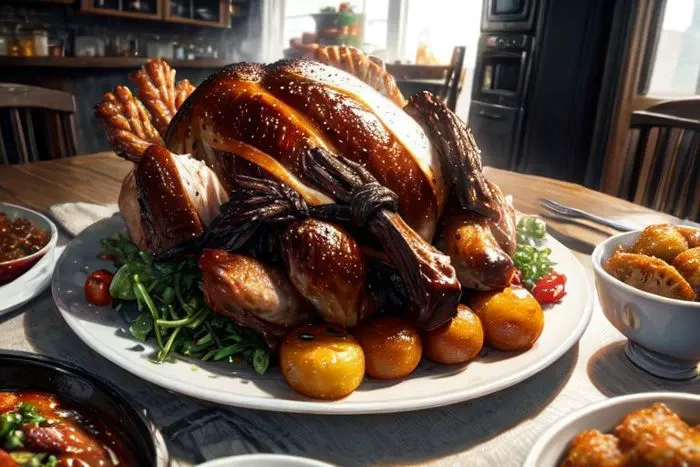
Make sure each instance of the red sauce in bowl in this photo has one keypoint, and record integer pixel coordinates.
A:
(20, 237)
(58, 432)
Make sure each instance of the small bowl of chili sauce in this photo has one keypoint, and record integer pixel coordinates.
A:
(62, 415)
(26, 236)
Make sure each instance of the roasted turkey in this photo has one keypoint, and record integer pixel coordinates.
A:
(321, 164)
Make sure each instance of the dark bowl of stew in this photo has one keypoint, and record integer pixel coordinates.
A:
(26, 236)
(61, 415)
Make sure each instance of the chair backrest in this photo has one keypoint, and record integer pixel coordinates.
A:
(35, 121)
(453, 79)
(663, 145)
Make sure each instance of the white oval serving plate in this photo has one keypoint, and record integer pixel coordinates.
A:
(431, 385)
(604, 416)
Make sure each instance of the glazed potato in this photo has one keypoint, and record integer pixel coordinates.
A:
(649, 274)
(688, 265)
(512, 318)
(663, 241)
(458, 341)
(392, 347)
(322, 361)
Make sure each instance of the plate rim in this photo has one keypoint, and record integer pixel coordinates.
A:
(340, 407)
(264, 457)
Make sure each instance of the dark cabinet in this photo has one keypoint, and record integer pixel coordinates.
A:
(495, 129)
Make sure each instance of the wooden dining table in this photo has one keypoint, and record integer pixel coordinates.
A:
(496, 430)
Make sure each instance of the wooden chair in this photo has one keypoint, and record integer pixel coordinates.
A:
(443, 80)
(663, 147)
(35, 121)
(453, 79)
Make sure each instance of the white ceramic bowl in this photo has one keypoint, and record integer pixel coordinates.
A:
(266, 460)
(13, 269)
(663, 333)
(604, 416)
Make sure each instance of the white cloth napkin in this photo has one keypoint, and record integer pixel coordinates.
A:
(76, 217)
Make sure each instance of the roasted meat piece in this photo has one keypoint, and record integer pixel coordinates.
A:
(503, 228)
(130, 211)
(327, 266)
(657, 436)
(177, 197)
(251, 293)
(594, 449)
(650, 274)
(478, 259)
(262, 121)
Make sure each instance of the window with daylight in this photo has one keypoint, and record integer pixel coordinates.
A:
(675, 68)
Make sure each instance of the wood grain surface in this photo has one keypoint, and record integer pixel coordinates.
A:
(497, 430)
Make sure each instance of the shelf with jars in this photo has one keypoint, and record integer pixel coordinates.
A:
(208, 13)
(104, 62)
(138, 9)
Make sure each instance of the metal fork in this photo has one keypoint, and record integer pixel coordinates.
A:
(574, 213)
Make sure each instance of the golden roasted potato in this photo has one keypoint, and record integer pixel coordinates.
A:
(512, 318)
(457, 341)
(592, 447)
(663, 241)
(392, 347)
(322, 361)
(650, 274)
(691, 235)
(688, 265)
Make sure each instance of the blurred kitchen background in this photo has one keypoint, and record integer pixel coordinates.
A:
(549, 87)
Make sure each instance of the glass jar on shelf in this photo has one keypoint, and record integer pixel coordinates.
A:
(41, 43)
(179, 51)
(4, 41)
(26, 44)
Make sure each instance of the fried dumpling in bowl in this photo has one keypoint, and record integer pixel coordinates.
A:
(663, 241)
(649, 274)
(691, 234)
(688, 265)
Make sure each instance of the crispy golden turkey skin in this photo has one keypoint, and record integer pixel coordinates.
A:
(271, 114)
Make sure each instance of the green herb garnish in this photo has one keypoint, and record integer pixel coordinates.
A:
(532, 261)
(173, 311)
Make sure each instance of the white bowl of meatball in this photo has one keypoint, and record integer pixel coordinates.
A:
(650, 429)
(648, 283)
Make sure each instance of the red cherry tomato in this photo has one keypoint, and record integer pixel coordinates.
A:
(550, 288)
(106, 257)
(97, 287)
